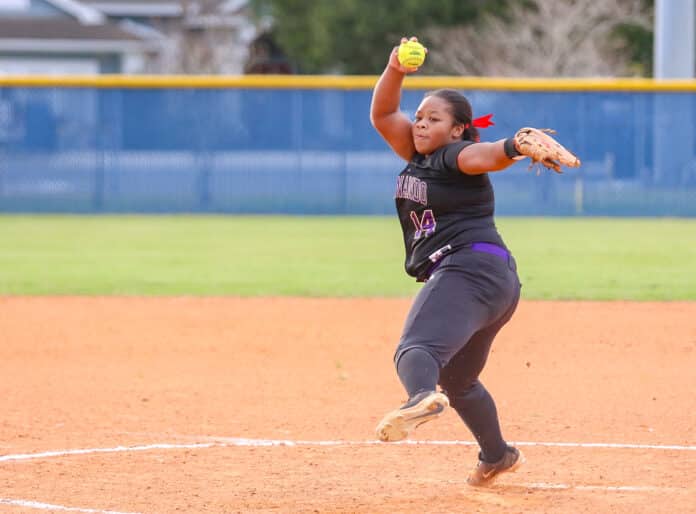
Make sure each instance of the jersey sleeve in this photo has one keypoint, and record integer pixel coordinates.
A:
(450, 154)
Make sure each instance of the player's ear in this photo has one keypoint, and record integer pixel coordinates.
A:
(457, 131)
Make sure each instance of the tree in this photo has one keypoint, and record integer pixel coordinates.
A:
(211, 37)
(545, 38)
(354, 36)
(637, 39)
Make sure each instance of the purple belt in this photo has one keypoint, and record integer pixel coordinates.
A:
(437, 256)
(492, 249)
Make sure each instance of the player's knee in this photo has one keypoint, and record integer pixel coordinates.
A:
(460, 390)
(400, 351)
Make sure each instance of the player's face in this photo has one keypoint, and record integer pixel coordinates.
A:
(434, 125)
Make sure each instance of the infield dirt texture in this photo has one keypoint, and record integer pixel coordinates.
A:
(210, 405)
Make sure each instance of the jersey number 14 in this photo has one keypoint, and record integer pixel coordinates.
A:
(425, 225)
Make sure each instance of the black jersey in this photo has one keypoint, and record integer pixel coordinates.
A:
(438, 205)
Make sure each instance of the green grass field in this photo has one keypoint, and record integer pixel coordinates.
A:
(558, 258)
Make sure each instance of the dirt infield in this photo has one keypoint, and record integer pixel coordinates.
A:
(268, 405)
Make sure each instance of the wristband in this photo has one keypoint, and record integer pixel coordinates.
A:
(510, 150)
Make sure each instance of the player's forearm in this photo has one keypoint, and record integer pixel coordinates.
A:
(484, 158)
(386, 96)
(499, 157)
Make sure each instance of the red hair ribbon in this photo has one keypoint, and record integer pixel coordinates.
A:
(483, 121)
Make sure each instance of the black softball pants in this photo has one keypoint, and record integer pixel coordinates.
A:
(449, 332)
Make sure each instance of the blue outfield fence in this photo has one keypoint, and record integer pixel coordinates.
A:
(305, 145)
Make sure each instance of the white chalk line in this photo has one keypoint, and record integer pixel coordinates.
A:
(613, 488)
(222, 442)
(52, 507)
(116, 449)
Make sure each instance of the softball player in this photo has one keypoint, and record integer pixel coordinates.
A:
(445, 204)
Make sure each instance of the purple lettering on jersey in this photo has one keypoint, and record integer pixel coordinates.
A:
(411, 188)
